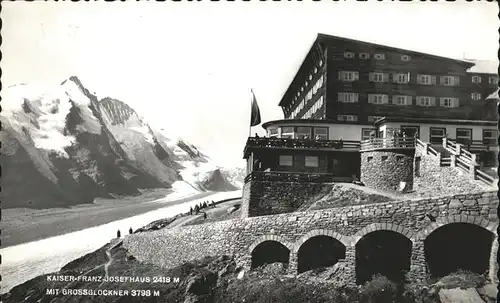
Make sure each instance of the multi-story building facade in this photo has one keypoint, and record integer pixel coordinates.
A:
(346, 91)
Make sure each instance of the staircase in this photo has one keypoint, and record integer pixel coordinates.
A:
(455, 155)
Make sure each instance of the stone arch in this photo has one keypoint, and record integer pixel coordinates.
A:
(269, 249)
(408, 233)
(265, 238)
(321, 232)
(382, 248)
(441, 221)
(320, 248)
(445, 240)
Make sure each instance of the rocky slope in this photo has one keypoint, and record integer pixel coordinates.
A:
(62, 146)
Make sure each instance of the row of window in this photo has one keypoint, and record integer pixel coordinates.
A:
(316, 106)
(300, 132)
(300, 91)
(398, 99)
(404, 78)
(436, 134)
(303, 101)
(310, 161)
(376, 56)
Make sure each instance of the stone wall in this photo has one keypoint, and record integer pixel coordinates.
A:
(238, 237)
(434, 179)
(276, 193)
(385, 169)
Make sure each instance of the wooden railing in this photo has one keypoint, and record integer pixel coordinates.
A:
(295, 177)
(394, 142)
(465, 160)
(485, 177)
(265, 142)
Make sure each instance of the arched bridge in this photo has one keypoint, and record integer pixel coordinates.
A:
(419, 237)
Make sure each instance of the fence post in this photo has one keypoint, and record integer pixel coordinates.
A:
(453, 160)
(472, 171)
(474, 159)
(426, 148)
(445, 142)
(438, 155)
(458, 149)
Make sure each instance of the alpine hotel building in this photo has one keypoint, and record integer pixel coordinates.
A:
(347, 91)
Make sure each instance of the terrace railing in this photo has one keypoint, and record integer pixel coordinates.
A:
(465, 160)
(265, 142)
(393, 142)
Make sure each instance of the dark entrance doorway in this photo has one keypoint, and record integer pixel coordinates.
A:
(411, 130)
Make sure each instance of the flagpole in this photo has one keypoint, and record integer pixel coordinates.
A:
(250, 127)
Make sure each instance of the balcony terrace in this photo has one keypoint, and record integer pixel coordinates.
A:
(300, 144)
(388, 143)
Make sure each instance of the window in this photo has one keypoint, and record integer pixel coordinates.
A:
(369, 159)
(448, 102)
(436, 135)
(490, 136)
(315, 70)
(424, 79)
(401, 100)
(378, 99)
(273, 132)
(303, 132)
(321, 133)
(475, 96)
(347, 97)
(464, 135)
(379, 56)
(405, 58)
(320, 62)
(367, 133)
(374, 118)
(401, 78)
(286, 160)
(349, 55)
(476, 79)
(384, 158)
(349, 118)
(377, 77)
(348, 75)
(426, 101)
(493, 80)
(450, 80)
(312, 161)
(287, 132)
(364, 56)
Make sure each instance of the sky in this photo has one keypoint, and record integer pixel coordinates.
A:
(188, 67)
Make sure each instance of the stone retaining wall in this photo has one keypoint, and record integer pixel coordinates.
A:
(171, 247)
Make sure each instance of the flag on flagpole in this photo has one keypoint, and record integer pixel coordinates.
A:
(255, 117)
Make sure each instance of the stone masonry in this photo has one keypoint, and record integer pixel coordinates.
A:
(384, 169)
(239, 237)
(435, 179)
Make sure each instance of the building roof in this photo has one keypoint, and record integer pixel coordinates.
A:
(299, 121)
(327, 38)
(330, 38)
(435, 121)
(483, 66)
(493, 95)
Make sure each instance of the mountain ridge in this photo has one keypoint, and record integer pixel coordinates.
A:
(63, 147)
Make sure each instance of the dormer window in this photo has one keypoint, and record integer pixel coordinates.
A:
(349, 55)
(493, 80)
(364, 56)
(476, 79)
(379, 56)
(405, 58)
